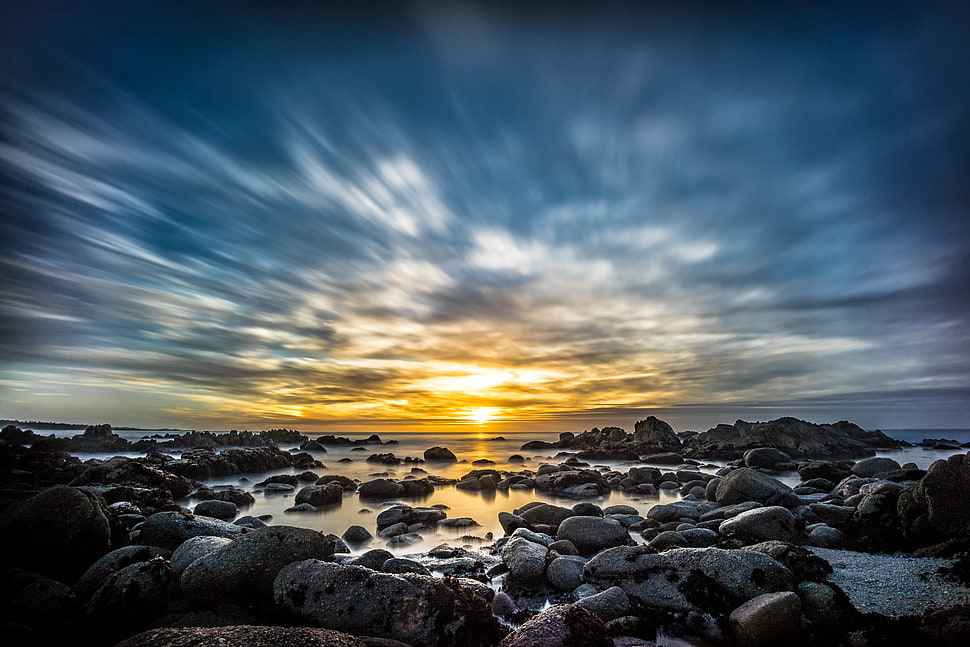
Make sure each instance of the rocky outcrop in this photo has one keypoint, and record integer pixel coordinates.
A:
(203, 464)
(415, 609)
(614, 443)
(937, 508)
(797, 438)
(121, 470)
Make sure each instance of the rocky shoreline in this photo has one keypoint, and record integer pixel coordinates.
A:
(101, 552)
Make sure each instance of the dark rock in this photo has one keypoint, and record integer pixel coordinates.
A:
(653, 435)
(194, 548)
(401, 565)
(937, 508)
(59, 532)
(112, 562)
(566, 572)
(745, 484)
(320, 495)
(592, 534)
(357, 535)
(242, 571)
(665, 458)
(608, 605)
(440, 454)
(380, 489)
(170, 529)
(764, 457)
(766, 619)
(763, 524)
(875, 466)
(526, 561)
(414, 609)
(560, 626)
(224, 510)
(547, 514)
(131, 598)
(373, 559)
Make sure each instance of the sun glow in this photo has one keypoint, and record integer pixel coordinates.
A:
(482, 415)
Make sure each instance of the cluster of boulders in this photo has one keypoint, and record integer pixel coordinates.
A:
(796, 437)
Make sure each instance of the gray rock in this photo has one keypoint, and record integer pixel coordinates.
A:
(566, 572)
(414, 609)
(668, 539)
(357, 535)
(611, 603)
(242, 572)
(763, 524)
(537, 537)
(373, 559)
(746, 484)
(593, 534)
(403, 565)
(547, 514)
(380, 489)
(194, 548)
(131, 598)
(874, 466)
(764, 457)
(766, 619)
(688, 580)
(225, 510)
(825, 536)
(170, 529)
(699, 537)
(503, 605)
(114, 561)
(250, 522)
(526, 561)
(820, 603)
(320, 495)
(407, 539)
(394, 530)
(666, 512)
(564, 547)
(560, 626)
(510, 522)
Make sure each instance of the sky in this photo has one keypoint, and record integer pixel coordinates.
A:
(503, 216)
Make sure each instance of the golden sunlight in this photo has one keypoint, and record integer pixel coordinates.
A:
(482, 415)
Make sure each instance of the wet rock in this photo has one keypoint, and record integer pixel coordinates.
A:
(401, 565)
(414, 609)
(745, 484)
(764, 457)
(766, 619)
(357, 535)
(608, 605)
(592, 534)
(566, 572)
(510, 522)
(825, 536)
(564, 547)
(170, 529)
(763, 524)
(380, 489)
(801, 562)
(320, 495)
(546, 514)
(526, 561)
(654, 435)
(224, 510)
(59, 532)
(937, 508)
(875, 466)
(820, 603)
(560, 626)
(665, 458)
(503, 605)
(242, 572)
(131, 598)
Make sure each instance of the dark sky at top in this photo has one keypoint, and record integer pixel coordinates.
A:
(218, 214)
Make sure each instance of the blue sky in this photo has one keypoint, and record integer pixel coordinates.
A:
(423, 213)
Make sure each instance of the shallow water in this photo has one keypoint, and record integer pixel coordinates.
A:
(482, 507)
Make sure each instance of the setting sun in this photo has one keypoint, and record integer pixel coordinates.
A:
(481, 415)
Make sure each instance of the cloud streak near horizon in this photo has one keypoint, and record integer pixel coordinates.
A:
(338, 216)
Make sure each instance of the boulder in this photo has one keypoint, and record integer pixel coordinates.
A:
(242, 571)
(170, 529)
(58, 532)
(546, 514)
(766, 620)
(592, 534)
(608, 605)
(194, 548)
(320, 494)
(763, 524)
(687, 583)
(745, 484)
(874, 466)
(414, 609)
(243, 636)
(112, 562)
(526, 561)
(356, 535)
(380, 489)
(764, 457)
(654, 435)
(560, 626)
(224, 510)
(442, 454)
(130, 598)
(937, 508)
(566, 572)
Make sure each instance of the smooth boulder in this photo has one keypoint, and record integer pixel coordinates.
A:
(590, 535)
(560, 626)
(745, 484)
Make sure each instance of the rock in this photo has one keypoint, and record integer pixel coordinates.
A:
(641, 475)
(194, 548)
(560, 626)
(546, 514)
(526, 561)
(415, 609)
(763, 524)
(380, 489)
(874, 466)
(764, 457)
(242, 571)
(608, 605)
(244, 636)
(699, 537)
(668, 539)
(820, 603)
(503, 605)
(357, 535)
(766, 619)
(592, 534)
(59, 532)
(803, 563)
(745, 484)
(830, 470)
(692, 581)
(39, 602)
(319, 495)
(510, 522)
(170, 529)
(130, 598)
(403, 565)
(937, 508)
(224, 510)
(566, 572)
(825, 536)
(654, 435)
(405, 539)
(112, 562)
(564, 547)
(797, 438)
(665, 458)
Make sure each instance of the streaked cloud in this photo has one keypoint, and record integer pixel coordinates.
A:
(543, 217)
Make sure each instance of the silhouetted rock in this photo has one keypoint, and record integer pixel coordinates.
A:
(440, 454)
